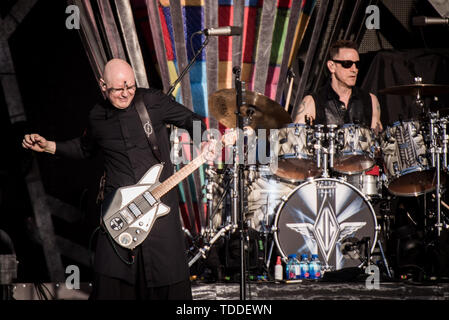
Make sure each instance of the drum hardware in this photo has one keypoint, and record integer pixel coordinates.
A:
(229, 106)
(436, 151)
(238, 191)
(210, 184)
(332, 136)
(352, 248)
(444, 141)
(321, 152)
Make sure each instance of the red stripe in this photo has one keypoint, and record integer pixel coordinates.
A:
(185, 215)
(225, 18)
(166, 35)
(249, 33)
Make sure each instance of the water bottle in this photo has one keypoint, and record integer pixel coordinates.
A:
(304, 267)
(292, 270)
(315, 267)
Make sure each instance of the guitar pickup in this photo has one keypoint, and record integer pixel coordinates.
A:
(127, 216)
(150, 199)
(134, 209)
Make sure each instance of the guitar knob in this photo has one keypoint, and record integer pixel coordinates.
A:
(125, 239)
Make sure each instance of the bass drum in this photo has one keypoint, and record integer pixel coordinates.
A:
(322, 216)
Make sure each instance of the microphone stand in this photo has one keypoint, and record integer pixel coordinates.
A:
(187, 68)
(178, 80)
(238, 180)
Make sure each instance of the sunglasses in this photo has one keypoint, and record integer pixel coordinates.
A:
(348, 63)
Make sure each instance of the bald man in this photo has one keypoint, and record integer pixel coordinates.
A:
(159, 268)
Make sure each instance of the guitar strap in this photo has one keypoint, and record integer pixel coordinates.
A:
(147, 126)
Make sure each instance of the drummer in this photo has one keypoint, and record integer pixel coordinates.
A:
(340, 101)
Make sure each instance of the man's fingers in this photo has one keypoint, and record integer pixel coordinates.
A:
(27, 138)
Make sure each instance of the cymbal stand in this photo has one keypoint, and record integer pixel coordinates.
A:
(210, 173)
(320, 150)
(331, 136)
(239, 191)
(418, 102)
(445, 140)
(212, 237)
(436, 151)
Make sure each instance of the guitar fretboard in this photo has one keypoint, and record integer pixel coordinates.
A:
(180, 175)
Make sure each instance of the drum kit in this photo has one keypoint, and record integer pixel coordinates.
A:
(320, 197)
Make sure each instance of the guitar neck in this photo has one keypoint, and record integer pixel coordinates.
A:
(180, 175)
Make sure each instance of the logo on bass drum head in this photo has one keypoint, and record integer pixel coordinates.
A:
(319, 215)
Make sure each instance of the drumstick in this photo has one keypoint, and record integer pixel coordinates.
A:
(442, 202)
(290, 87)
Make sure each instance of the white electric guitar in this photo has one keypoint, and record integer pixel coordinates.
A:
(133, 210)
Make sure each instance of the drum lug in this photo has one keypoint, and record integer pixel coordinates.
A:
(297, 131)
(395, 167)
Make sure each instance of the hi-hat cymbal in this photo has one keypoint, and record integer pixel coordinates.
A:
(420, 89)
(263, 112)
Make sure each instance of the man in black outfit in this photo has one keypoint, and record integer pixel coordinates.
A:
(157, 269)
(340, 101)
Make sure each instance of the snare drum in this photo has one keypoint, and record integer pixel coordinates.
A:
(321, 215)
(295, 158)
(356, 149)
(405, 159)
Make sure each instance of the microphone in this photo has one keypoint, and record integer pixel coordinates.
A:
(350, 248)
(428, 21)
(223, 31)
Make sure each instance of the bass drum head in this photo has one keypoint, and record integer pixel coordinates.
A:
(319, 216)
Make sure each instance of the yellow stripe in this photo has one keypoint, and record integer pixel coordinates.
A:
(225, 75)
(247, 72)
(301, 28)
(173, 76)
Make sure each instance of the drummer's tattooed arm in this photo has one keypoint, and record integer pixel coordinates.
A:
(376, 124)
(306, 110)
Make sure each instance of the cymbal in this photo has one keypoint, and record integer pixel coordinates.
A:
(419, 88)
(263, 112)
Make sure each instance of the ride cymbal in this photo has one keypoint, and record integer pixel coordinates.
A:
(263, 112)
(420, 89)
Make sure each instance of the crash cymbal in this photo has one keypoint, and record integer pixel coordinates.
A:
(420, 89)
(263, 112)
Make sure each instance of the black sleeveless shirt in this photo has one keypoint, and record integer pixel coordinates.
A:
(330, 110)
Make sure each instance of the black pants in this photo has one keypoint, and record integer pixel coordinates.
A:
(107, 288)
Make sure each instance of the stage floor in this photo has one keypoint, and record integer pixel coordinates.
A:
(310, 290)
(306, 290)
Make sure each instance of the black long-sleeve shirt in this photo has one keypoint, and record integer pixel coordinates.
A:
(119, 134)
